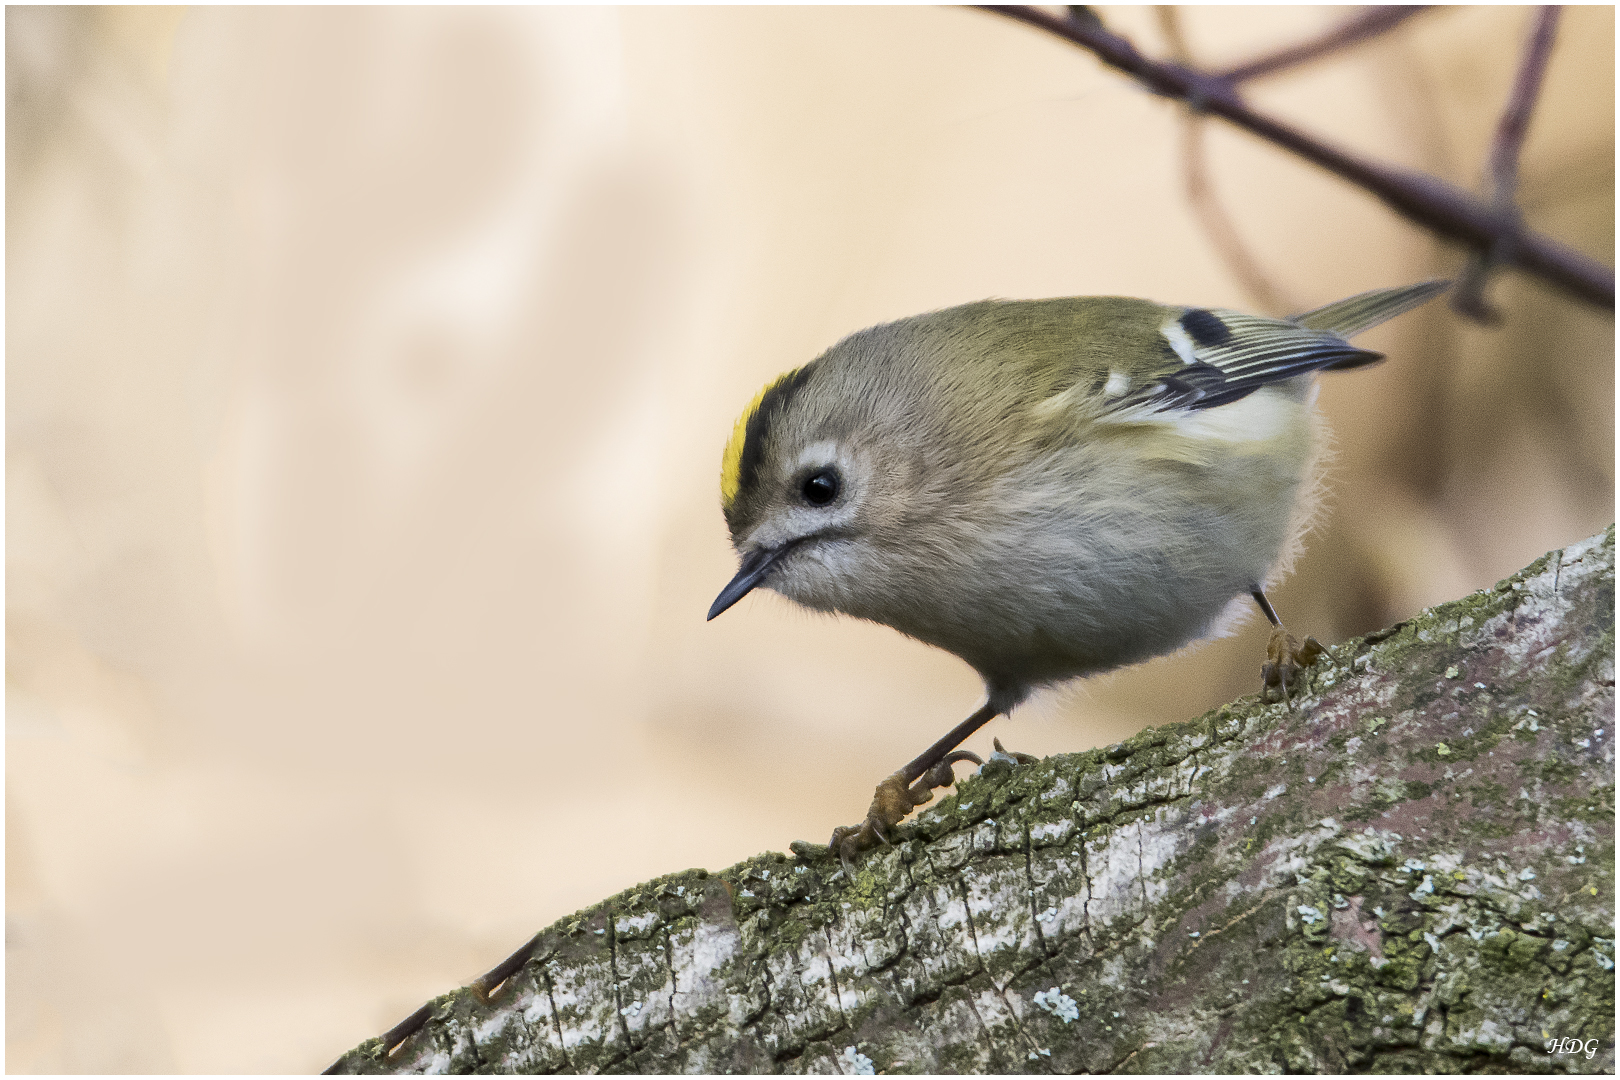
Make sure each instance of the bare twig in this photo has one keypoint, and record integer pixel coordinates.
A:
(1503, 166)
(1427, 200)
(1170, 25)
(1515, 122)
(1218, 225)
(1363, 26)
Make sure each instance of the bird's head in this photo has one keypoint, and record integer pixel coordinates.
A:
(813, 486)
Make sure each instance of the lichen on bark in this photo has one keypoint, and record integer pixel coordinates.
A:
(1410, 868)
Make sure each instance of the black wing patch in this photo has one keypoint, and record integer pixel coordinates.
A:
(1205, 328)
(1234, 355)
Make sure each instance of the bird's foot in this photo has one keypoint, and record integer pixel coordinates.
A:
(892, 801)
(1286, 659)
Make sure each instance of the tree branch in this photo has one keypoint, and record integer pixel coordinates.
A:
(1515, 122)
(1503, 169)
(1426, 200)
(1409, 870)
(1363, 26)
(1201, 195)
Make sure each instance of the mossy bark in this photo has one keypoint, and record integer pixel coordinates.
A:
(1411, 869)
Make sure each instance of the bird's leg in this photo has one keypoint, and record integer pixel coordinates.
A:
(1286, 657)
(909, 788)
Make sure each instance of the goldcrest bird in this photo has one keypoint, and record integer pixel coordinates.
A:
(1046, 488)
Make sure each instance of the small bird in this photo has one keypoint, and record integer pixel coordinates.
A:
(1046, 488)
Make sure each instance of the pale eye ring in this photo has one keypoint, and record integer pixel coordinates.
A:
(821, 487)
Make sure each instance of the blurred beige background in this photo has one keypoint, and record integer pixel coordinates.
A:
(367, 375)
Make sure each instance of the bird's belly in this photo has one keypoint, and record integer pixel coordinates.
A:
(1087, 632)
(1073, 626)
(1037, 601)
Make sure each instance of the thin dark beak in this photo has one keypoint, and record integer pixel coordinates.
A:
(753, 570)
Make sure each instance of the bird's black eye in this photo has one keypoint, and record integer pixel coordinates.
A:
(821, 488)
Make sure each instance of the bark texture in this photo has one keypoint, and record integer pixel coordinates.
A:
(1411, 869)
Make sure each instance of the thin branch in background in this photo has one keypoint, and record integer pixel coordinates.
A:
(1218, 225)
(1429, 201)
(1515, 122)
(1363, 26)
(1503, 166)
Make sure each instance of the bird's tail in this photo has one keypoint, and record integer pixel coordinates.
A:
(1347, 318)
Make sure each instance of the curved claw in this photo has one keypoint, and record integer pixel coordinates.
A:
(842, 843)
(1017, 756)
(942, 774)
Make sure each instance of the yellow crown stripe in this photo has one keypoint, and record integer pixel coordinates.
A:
(731, 460)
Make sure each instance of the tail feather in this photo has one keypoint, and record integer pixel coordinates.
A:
(1350, 317)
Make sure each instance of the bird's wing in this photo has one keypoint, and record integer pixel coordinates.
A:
(1351, 316)
(1214, 357)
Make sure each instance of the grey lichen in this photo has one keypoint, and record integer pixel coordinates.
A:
(1410, 869)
